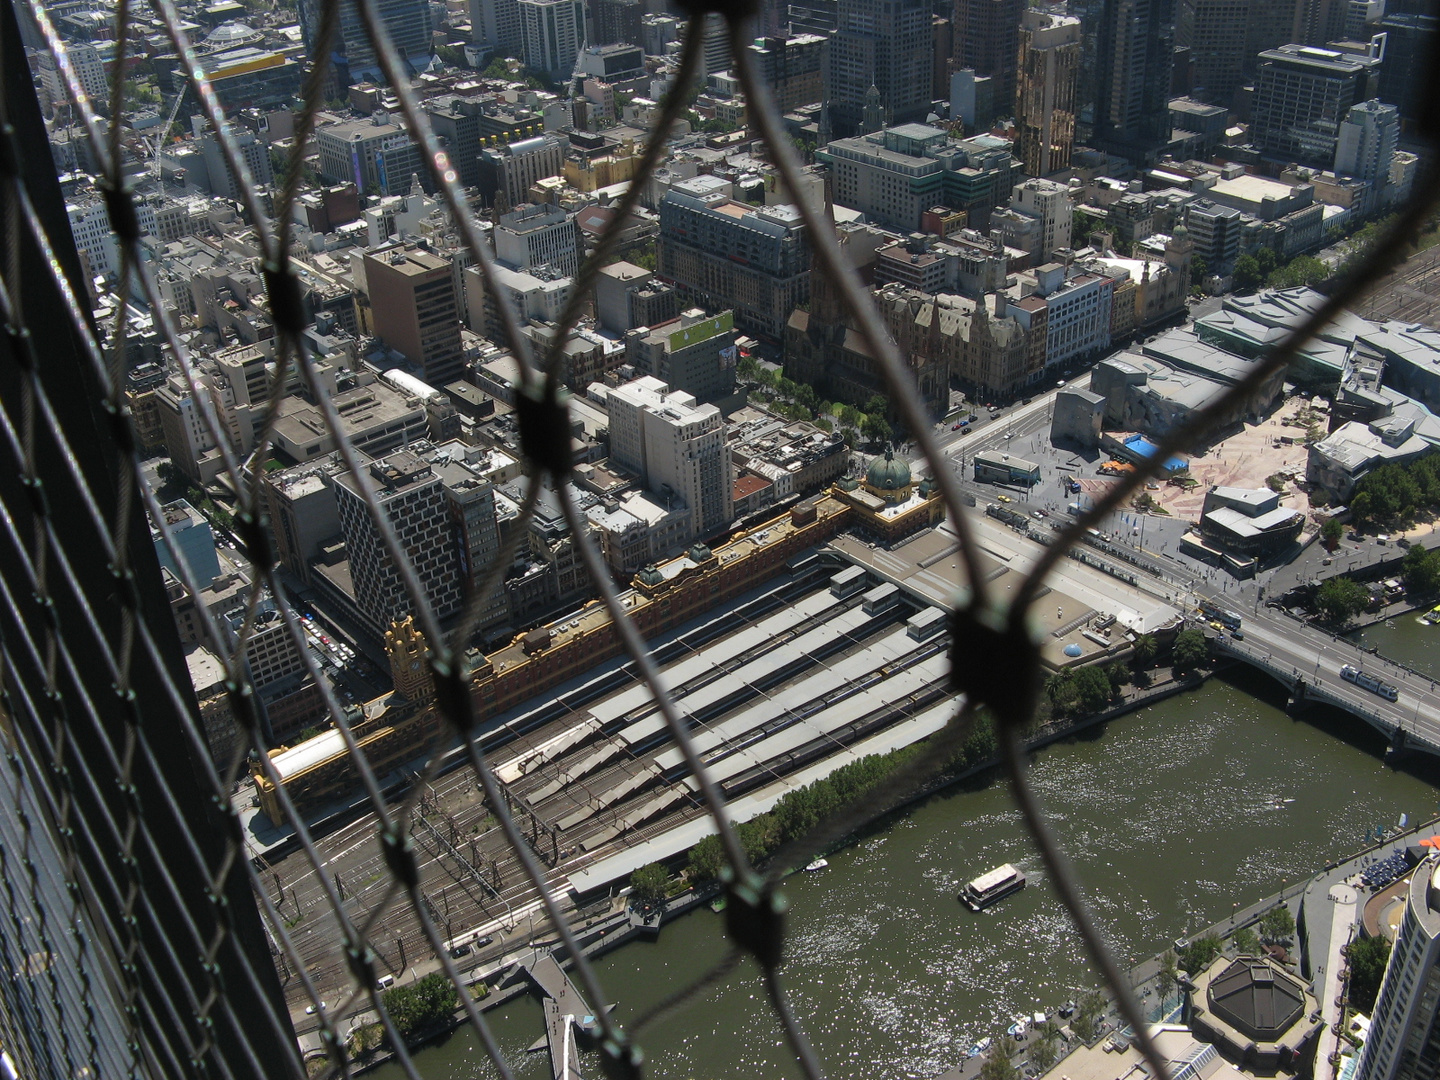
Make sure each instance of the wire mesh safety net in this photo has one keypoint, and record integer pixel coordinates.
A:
(143, 937)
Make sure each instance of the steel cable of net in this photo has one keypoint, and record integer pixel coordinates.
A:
(660, 128)
(861, 308)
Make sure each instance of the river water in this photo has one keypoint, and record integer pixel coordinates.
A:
(1172, 815)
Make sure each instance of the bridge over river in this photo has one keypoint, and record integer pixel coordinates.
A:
(1308, 661)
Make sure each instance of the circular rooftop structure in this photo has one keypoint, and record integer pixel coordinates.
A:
(888, 473)
(1252, 996)
(231, 35)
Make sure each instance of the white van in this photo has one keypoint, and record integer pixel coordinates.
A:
(385, 982)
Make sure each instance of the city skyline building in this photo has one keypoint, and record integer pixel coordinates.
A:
(539, 234)
(674, 444)
(793, 67)
(1048, 70)
(898, 174)
(495, 24)
(617, 21)
(1134, 49)
(411, 496)
(885, 44)
(1366, 146)
(721, 253)
(513, 169)
(375, 154)
(406, 21)
(1302, 95)
(554, 34)
(1048, 203)
(412, 302)
(1216, 32)
(987, 40)
(693, 353)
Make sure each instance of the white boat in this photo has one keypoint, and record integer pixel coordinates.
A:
(818, 864)
(996, 885)
(1017, 1029)
(979, 1048)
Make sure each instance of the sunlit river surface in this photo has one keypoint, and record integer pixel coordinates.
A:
(1171, 815)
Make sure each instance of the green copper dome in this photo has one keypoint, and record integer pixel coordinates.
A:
(888, 473)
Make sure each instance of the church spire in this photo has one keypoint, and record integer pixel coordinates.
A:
(872, 117)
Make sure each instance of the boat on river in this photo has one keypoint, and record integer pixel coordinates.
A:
(979, 1048)
(818, 864)
(1432, 616)
(996, 885)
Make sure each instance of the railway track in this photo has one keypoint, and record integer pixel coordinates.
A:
(799, 677)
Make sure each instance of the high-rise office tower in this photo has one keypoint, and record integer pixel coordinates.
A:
(1405, 70)
(986, 42)
(1268, 26)
(793, 68)
(674, 443)
(1215, 32)
(885, 44)
(1319, 21)
(412, 498)
(1049, 67)
(715, 45)
(1367, 142)
(1404, 1039)
(1302, 95)
(412, 299)
(554, 34)
(406, 21)
(1134, 49)
(1366, 149)
(617, 21)
(496, 23)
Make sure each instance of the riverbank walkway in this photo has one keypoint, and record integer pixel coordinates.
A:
(1345, 901)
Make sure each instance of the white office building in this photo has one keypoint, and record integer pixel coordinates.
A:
(554, 34)
(675, 446)
(539, 234)
(90, 225)
(1049, 204)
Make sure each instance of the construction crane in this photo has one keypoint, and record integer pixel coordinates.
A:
(157, 173)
